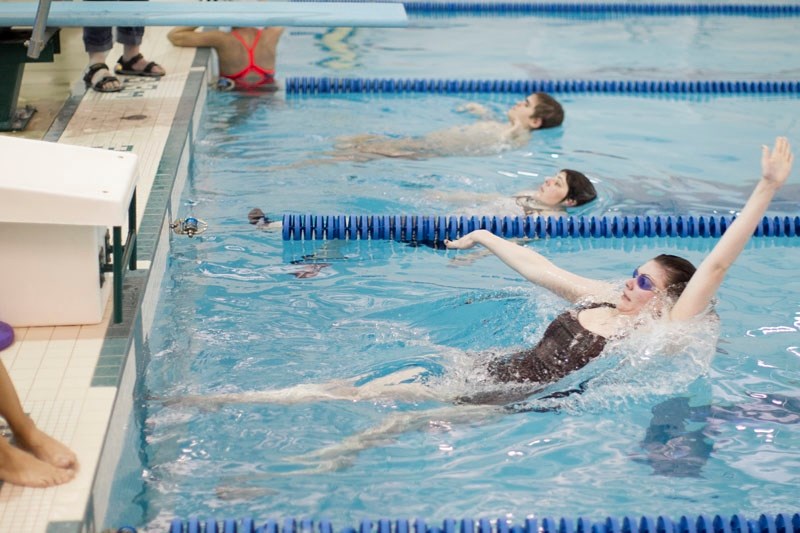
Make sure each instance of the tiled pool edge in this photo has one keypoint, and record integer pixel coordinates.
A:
(121, 355)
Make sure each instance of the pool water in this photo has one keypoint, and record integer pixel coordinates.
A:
(713, 429)
(235, 318)
(646, 155)
(556, 47)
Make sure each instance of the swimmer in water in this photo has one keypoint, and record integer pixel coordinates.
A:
(667, 288)
(568, 188)
(246, 55)
(485, 137)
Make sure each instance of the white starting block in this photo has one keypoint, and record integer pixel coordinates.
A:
(56, 203)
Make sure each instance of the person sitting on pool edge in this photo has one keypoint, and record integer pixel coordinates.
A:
(246, 55)
(485, 137)
(35, 459)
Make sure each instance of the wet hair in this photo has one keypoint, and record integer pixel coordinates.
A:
(549, 110)
(579, 188)
(679, 272)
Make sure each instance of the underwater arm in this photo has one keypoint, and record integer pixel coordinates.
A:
(775, 168)
(532, 265)
(474, 108)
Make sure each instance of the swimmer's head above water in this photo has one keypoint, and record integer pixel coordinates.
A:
(665, 277)
(257, 217)
(568, 188)
(537, 111)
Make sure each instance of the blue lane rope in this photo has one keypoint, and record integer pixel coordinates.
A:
(782, 523)
(601, 8)
(594, 8)
(422, 228)
(312, 85)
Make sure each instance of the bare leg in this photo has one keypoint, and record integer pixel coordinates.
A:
(366, 147)
(345, 142)
(388, 387)
(48, 463)
(349, 149)
(342, 454)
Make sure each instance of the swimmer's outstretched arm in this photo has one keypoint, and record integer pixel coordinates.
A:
(776, 165)
(533, 266)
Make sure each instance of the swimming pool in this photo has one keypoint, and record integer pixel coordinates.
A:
(551, 47)
(700, 167)
(234, 317)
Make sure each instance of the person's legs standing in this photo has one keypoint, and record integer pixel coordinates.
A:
(97, 42)
(132, 62)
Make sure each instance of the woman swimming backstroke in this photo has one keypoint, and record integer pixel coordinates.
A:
(665, 288)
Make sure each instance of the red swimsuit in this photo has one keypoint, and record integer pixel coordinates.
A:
(267, 76)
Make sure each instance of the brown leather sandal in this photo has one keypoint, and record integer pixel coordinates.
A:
(126, 67)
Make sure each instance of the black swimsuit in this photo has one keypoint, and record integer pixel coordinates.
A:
(566, 346)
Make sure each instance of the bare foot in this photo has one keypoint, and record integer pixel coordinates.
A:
(21, 468)
(47, 449)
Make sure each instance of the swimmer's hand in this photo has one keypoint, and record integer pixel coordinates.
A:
(464, 243)
(777, 164)
(474, 108)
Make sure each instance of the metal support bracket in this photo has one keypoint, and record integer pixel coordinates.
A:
(123, 255)
(12, 65)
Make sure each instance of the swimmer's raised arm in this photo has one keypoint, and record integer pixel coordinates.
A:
(533, 266)
(775, 168)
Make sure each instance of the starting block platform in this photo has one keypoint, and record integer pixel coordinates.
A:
(256, 14)
(57, 202)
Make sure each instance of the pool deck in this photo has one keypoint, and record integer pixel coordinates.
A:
(67, 378)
